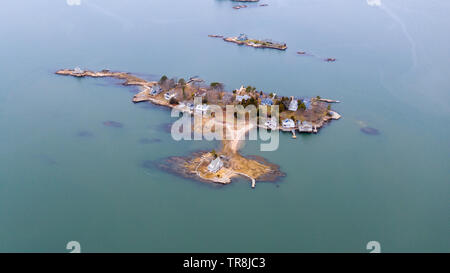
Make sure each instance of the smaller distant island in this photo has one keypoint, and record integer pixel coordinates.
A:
(245, 6)
(243, 39)
(240, 7)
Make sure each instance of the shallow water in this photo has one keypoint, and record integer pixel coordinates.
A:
(343, 188)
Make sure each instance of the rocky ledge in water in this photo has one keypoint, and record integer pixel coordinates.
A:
(111, 123)
(370, 131)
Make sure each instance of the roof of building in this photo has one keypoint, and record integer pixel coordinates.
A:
(288, 122)
(78, 70)
(242, 37)
(293, 105)
(307, 103)
(241, 98)
(155, 89)
(266, 101)
(215, 165)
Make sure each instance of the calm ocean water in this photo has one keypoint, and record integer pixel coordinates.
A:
(65, 176)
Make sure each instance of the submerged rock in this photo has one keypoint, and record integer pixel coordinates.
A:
(111, 123)
(370, 131)
(85, 134)
(46, 159)
(148, 164)
(149, 140)
(166, 127)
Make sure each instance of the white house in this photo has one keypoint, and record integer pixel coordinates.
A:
(215, 165)
(202, 108)
(168, 96)
(305, 126)
(293, 105)
(288, 123)
(241, 98)
(78, 70)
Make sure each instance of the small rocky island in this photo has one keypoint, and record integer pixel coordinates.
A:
(306, 115)
(243, 39)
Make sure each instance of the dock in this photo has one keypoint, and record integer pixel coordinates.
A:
(334, 115)
(251, 178)
(142, 96)
(329, 101)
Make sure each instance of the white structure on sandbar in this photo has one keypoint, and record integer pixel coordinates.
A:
(215, 165)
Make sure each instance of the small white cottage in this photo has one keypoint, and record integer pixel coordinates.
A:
(215, 165)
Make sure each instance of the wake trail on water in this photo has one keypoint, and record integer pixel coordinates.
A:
(396, 18)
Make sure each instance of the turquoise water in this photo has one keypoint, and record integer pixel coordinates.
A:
(343, 188)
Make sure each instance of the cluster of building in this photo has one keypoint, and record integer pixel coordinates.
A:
(290, 125)
(241, 95)
(155, 90)
(303, 126)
